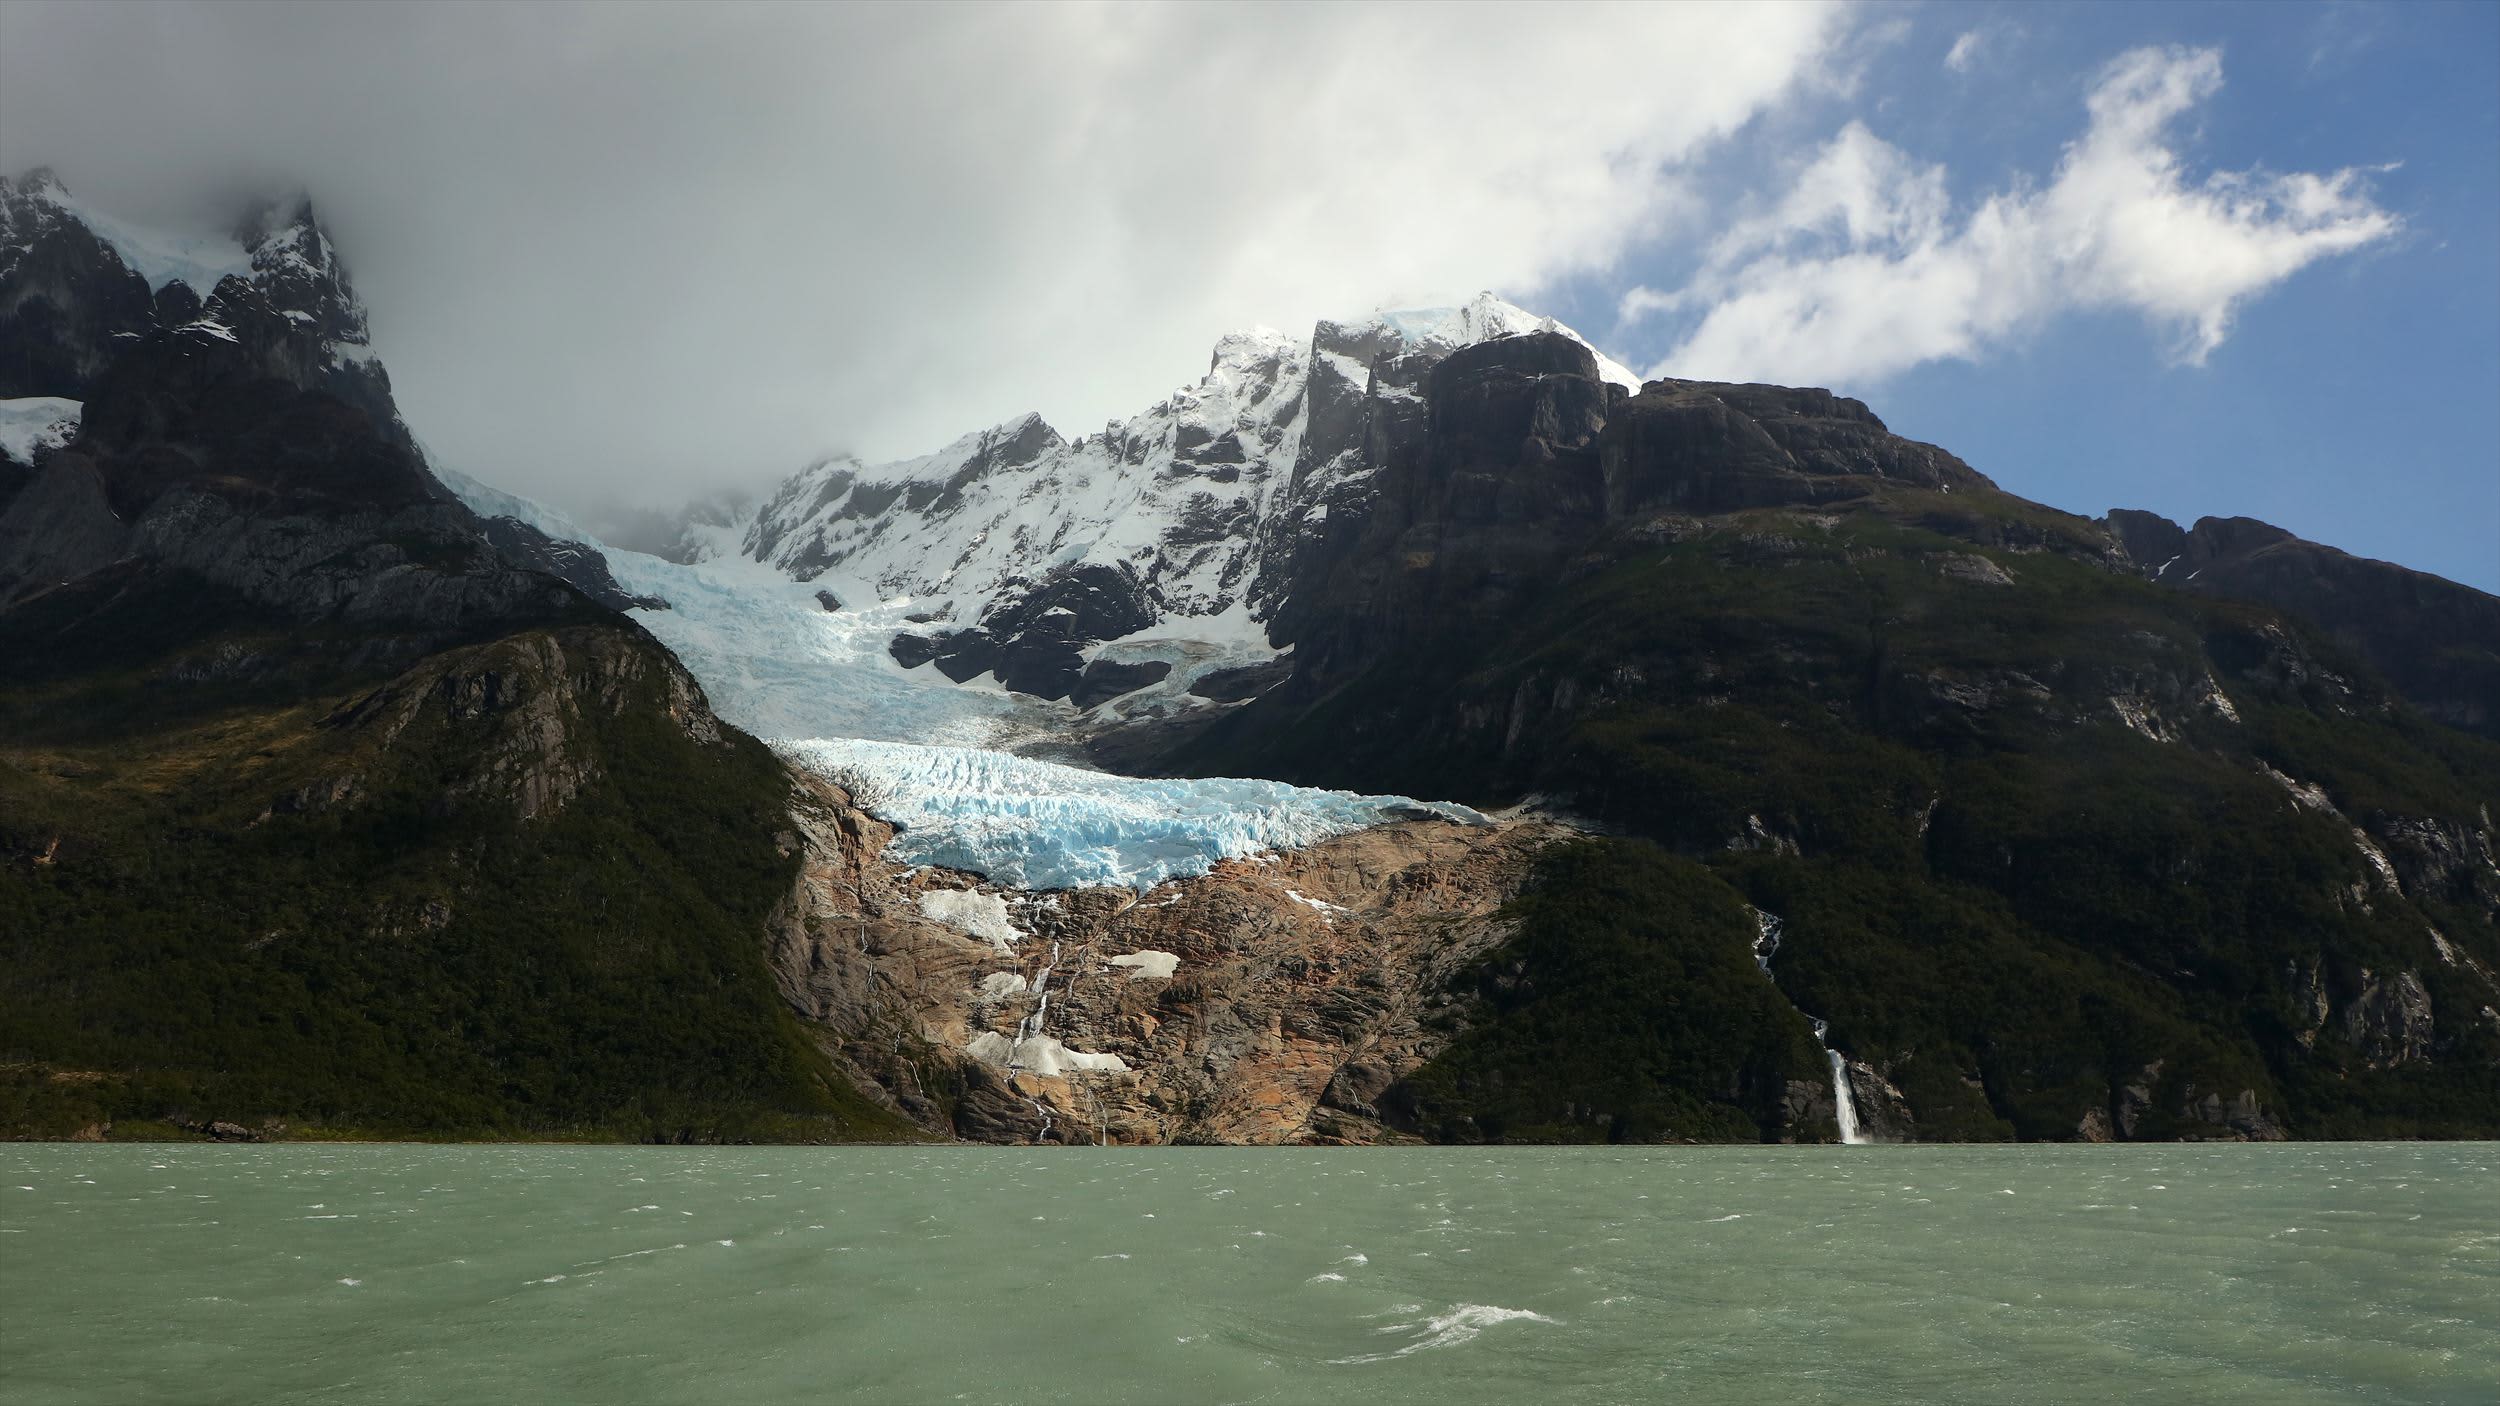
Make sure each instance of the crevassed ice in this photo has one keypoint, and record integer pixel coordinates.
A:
(1041, 825)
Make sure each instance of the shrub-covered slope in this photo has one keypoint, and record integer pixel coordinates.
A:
(516, 889)
(2060, 852)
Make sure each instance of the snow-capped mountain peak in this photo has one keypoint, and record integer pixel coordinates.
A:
(1444, 330)
(1189, 512)
(272, 283)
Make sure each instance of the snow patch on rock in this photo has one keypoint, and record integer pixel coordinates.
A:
(1041, 1056)
(1003, 986)
(981, 915)
(1148, 965)
(34, 422)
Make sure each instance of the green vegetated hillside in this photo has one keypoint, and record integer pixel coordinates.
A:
(285, 876)
(2059, 852)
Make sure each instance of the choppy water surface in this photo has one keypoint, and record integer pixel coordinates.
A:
(2317, 1273)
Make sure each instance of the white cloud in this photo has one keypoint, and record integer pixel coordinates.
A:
(1965, 51)
(1864, 270)
(612, 251)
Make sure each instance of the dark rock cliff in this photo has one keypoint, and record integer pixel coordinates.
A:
(2438, 642)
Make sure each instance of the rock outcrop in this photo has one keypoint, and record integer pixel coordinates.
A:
(1271, 1001)
(1032, 639)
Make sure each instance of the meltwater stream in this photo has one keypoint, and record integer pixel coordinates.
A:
(1766, 945)
(2270, 1274)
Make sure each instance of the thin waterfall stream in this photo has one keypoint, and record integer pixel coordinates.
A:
(1766, 945)
(1030, 1029)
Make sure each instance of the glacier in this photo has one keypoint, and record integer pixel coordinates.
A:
(779, 664)
(1201, 496)
(819, 686)
(1041, 825)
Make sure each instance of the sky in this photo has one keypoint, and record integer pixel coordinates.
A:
(2229, 259)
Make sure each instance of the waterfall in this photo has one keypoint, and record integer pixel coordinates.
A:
(1844, 1107)
(1766, 945)
(1030, 1028)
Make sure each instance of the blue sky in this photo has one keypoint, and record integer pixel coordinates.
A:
(2203, 259)
(2356, 401)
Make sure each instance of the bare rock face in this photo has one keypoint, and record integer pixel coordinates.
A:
(1033, 638)
(2198, 1115)
(525, 545)
(1270, 1001)
(2210, 1117)
(1883, 1113)
(1528, 459)
(1106, 679)
(2389, 1019)
(64, 295)
(1807, 1110)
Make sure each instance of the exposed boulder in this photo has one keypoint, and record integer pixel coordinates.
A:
(2239, 1118)
(910, 650)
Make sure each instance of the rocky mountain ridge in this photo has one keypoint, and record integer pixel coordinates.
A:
(267, 377)
(1021, 549)
(2437, 641)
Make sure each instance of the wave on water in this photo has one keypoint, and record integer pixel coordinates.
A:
(1461, 1324)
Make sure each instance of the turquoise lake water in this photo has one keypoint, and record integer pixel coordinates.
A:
(2263, 1274)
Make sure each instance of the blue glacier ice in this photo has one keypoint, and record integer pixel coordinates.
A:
(1037, 824)
(819, 685)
